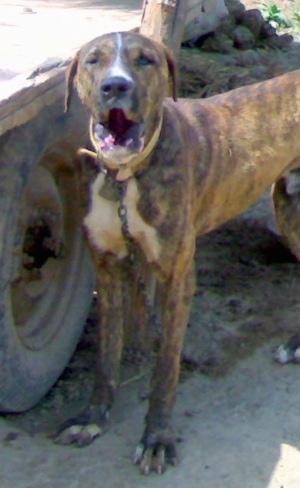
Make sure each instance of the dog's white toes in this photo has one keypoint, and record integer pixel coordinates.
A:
(155, 458)
(88, 434)
(78, 435)
(289, 352)
(146, 461)
(138, 455)
(68, 436)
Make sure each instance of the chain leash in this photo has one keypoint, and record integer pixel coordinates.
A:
(153, 319)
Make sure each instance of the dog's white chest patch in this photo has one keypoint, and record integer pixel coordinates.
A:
(102, 222)
(104, 226)
(142, 232)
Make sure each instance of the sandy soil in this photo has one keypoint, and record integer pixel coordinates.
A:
(237, 412)
(33, 31)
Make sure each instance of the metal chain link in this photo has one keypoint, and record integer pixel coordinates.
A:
(153, 319)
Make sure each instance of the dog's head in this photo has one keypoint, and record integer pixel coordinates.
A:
(123, 79)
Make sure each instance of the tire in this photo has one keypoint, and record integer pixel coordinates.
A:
(46, 276)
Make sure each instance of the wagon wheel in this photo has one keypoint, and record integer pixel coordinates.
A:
(46, 274)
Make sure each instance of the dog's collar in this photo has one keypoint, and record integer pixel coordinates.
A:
(127, 170)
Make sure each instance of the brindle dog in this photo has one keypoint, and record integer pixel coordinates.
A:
(168, 171)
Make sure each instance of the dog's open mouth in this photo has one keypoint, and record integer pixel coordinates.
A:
(118, 131)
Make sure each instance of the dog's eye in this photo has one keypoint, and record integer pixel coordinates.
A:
(92, 59)
(144, 60)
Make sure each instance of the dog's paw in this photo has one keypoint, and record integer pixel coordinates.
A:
(78, 435)
(83, 429)
(155, 452)
(289, 352)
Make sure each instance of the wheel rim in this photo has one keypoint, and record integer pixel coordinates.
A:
(48, 251)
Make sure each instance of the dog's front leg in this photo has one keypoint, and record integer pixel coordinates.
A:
(157, 446)
(91, 422)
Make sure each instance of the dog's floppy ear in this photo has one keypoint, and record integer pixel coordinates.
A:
(172, 73)
(70, 75)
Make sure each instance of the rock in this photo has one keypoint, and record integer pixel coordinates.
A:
(227, 25)
(219, 43)
(253, 20)
(243, 38)
(28, 10)
(267, 30)
(279, 42)
(286, 40)
(203, 17)
(236, 8)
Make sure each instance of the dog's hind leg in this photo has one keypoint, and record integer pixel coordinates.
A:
(286, 201)
(91, 423)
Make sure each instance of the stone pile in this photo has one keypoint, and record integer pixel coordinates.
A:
(240, 29)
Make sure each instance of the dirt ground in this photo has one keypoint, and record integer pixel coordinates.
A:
(36, 31)
(237, 412)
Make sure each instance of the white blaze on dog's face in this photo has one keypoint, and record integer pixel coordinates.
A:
(123, 79)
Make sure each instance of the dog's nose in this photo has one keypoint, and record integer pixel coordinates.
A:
(115, 86)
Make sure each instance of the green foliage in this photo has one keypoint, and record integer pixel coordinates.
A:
(296, 16)
(273, 14)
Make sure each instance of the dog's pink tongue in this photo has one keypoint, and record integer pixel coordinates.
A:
(107, 142)
(119, 125)
(105, 139)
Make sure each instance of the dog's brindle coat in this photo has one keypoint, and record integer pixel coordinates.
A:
(186, 167)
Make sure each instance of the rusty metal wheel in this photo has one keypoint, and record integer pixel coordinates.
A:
(46, 273)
